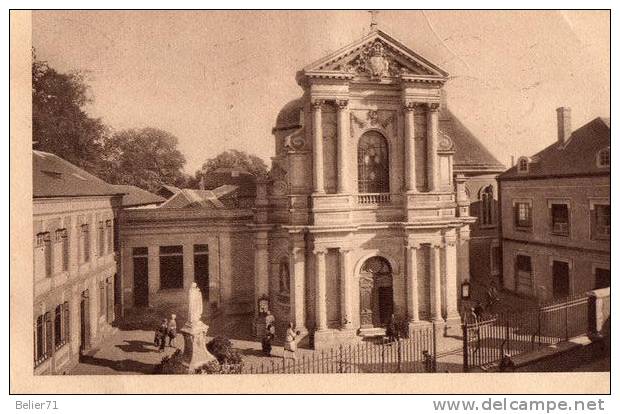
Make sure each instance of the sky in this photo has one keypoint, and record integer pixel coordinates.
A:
(217, 79)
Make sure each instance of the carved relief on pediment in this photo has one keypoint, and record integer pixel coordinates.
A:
(377, 61)
(381, 119)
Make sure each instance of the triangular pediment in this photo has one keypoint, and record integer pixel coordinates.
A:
(376, 55)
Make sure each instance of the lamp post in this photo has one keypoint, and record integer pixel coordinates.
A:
(465, 296)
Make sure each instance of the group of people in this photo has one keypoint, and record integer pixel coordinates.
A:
(167, 330)
(290, 341)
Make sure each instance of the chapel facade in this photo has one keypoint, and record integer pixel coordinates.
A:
(362, 217)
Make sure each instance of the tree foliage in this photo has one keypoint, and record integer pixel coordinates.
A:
(235, 159)
(60, 124)
(146, 158)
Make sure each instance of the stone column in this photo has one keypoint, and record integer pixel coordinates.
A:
(321, 290)
(432, 129)
(317, 146)
(410, 182)
(411, 256)
(261, 266)
(345, 288)
(452, 312)
(297, 269)
(153, 263)
(343, 132)
(436, 282)
(188, 265)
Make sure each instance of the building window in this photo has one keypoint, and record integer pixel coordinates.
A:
(373, 164)
(41, 351)
(602, 278)
(116, 236)
(44, 242)
(85, 244)
(522, 165)
(523, 215)
(101, 238)
(495, 259)
(523, 269)
(171, 267)
(110, 235)
(560, 219)
(601, 221)
(603, 158)
(486, 204)
(102, 298)
(201, 268)
(61, 325)
(63, 239)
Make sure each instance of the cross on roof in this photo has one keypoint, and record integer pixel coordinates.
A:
(373, 19)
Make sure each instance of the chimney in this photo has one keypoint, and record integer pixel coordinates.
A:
(512, 160)
(564, 128)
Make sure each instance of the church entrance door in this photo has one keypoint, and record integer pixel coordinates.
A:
(376, 294)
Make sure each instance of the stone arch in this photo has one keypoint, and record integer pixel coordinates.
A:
(394, 264)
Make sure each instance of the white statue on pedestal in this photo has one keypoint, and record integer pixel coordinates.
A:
(195, 303)
(194, 332)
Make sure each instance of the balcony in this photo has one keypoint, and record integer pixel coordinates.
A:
(374, 198)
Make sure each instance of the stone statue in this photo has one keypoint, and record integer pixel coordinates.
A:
(195, 353)
(195, 303)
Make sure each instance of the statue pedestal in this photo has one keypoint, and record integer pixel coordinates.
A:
(195, 352)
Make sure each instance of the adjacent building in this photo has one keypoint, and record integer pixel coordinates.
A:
(202, 236)
(556, 215)
(76, 284)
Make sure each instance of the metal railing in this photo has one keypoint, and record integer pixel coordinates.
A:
(374, 198)
(411, 354)
(486, 341)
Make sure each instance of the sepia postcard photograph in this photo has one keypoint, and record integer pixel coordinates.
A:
(310, 201)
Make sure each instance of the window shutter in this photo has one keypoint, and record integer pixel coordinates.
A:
(49, 334)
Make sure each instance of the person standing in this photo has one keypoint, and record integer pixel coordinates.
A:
(172, 329)
(160, 335)
(390, 330)
(268, 338)
(289, 344)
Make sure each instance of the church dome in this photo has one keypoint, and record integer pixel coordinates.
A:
(288, 117)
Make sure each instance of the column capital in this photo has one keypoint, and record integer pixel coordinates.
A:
(432, 106)
(317, 103)
(319, 251)
(438, 244)
(410, 106)
(342, 104)
(413, 244)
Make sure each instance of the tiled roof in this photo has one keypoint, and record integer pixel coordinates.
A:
(576, 157)
(197, 198)
(53, 176)
(470, 154)
(136, 196)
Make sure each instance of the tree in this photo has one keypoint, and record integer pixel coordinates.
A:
(234, 159)
(146, 158)
(60, 124)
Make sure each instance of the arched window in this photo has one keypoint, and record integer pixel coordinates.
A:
(486, 203)
(373, 172)
(603, 158)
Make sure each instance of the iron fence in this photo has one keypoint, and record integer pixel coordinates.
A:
(413, 354)
(486, 341)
